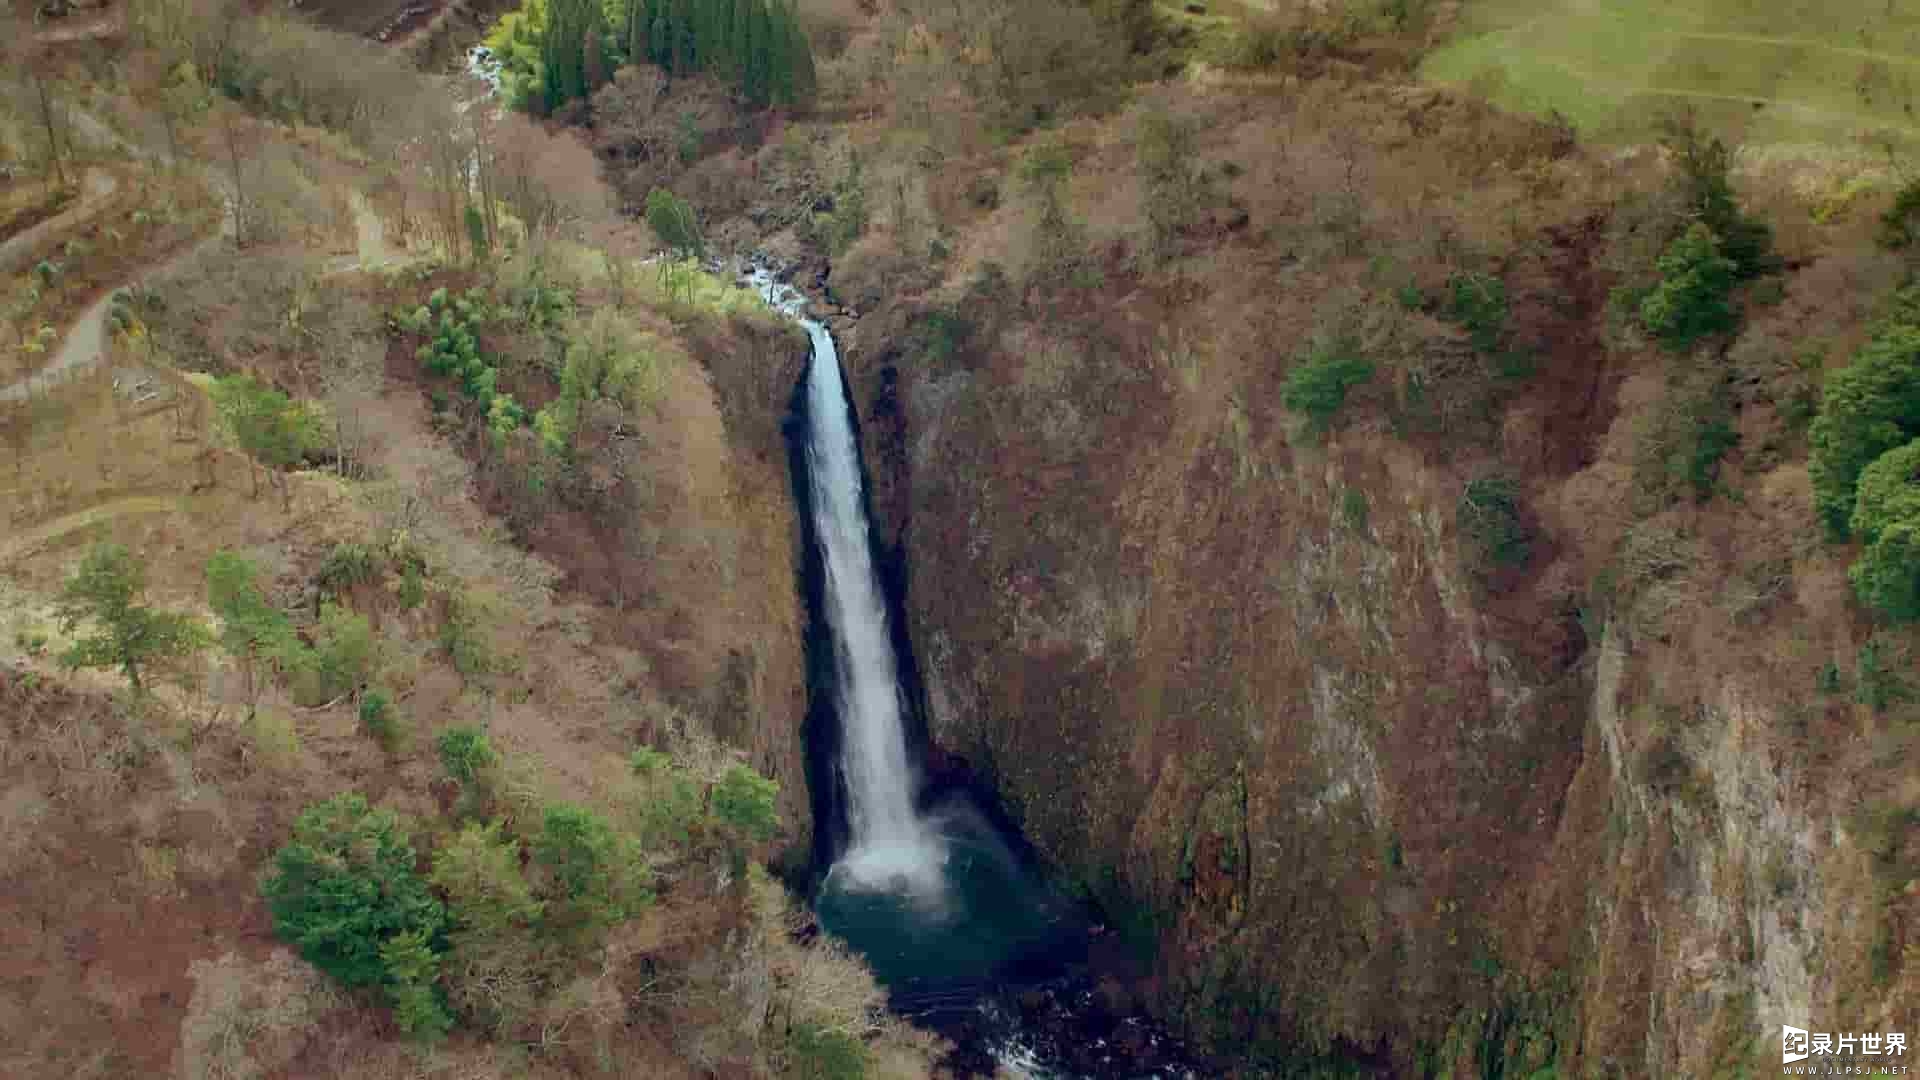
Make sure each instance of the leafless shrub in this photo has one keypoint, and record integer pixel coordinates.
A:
(550, 181)
(249, 1019)
(23, 807)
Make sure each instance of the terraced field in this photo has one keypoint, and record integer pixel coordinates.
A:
(1841, 71)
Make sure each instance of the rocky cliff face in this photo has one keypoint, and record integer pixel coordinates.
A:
(1361, 793)
(758, 698)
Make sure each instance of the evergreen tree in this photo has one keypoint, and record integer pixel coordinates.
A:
(563, 50)
(660, 34)
(639, 30)
(800, 54)
(710, 36)
(727, 26)
(757, 45)
(740, 37)
(683, 60)
(758, 78)
(780, 35)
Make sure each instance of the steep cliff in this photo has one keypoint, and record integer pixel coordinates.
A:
(1365, 782)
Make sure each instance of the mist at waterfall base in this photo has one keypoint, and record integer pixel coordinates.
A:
(932, 885)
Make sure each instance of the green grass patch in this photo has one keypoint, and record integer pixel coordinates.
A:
(1821, 74)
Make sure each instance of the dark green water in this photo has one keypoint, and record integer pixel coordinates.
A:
(939, 936)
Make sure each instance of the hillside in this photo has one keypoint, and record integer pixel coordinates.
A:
(217, 374)
(1414, 522)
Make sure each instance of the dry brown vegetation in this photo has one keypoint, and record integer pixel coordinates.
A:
(650, 601)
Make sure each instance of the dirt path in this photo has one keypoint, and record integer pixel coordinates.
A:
(33, 539)
(96, 190)
(86, 341)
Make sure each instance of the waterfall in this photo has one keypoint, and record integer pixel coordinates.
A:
(890, 847)
(953, 922)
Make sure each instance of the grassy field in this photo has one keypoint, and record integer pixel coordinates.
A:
(1775, 70)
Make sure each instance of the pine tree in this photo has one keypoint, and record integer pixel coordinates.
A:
(563, 50)
(660, 33)
(732, 43)
(759, 77)
(780, 36)
(683, 61)
(710, 35)
(639, 28)
(805, 79)
(740, 35)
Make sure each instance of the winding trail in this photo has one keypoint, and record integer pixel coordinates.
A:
(28, 542)
(96, 191)
(86, 340)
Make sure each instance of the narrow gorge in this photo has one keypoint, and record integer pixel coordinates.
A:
(929, 882)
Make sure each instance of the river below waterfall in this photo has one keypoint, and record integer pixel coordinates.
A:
(937, 892)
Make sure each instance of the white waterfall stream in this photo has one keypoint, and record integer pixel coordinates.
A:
(891, 847)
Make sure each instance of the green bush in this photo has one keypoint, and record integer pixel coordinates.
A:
(743, 804)
(599, 876)
(276, 430)
(379, 720)
(413, 968)
(340, 661)
(674, 223)
(1869, 407)
(1876, 674)
(673, 808)
(818, 1053)
(463, 635)
(467, 754)
(345, 649)
(1694, 296)
(848, 221)
(250, 622)
(606, 357)
(1354, 509)
(347, 565)
(1680, 448)
(1886, 517)
(413, 588)
(452, 326)
(251, 628)
(479, 872)
(1478, 302)
(1317, 386)
(1706, 170)
(1489, 519)
(344, 887)
(497, 958)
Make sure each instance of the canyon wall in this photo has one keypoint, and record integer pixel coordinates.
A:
(1354, 790)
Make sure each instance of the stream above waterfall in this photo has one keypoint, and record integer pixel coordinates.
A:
(931, 883)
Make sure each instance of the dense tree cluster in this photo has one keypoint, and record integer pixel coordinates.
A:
(559, 51)
(756, 44)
